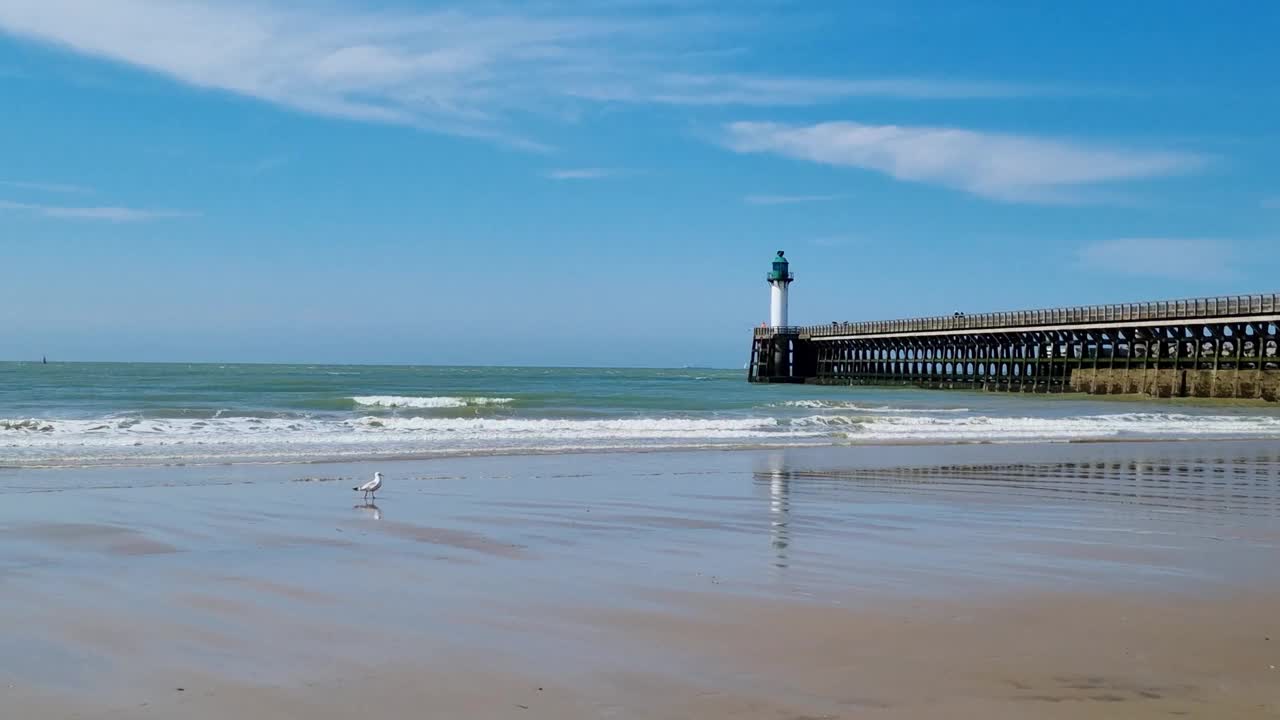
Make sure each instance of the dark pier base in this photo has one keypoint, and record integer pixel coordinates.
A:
(782, 358)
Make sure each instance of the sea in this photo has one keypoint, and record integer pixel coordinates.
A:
(94, 414)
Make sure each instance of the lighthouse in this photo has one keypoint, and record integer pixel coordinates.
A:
(778, 355)
(779, 278)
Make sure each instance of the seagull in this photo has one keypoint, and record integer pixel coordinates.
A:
(371, 487)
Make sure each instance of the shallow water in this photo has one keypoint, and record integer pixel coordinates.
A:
(867, 519)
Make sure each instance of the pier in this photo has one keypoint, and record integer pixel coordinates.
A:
(1218, 347)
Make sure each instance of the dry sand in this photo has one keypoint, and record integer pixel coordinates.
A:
(1088, 582)
(710, 656)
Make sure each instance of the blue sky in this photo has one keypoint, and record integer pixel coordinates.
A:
(580, 183)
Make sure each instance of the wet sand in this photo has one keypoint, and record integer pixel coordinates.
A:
(1091, 581)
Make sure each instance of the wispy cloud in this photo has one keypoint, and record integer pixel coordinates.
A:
(584, 173)
(463, 68)
(104, 213)
(1000, 166)
(1168, 258)
(728, 88)
(787, 199)
(1271, 203)
(45, 187)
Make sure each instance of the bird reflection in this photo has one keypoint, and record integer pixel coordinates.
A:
(369, 510)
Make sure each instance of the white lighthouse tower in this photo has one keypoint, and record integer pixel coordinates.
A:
(779, 278)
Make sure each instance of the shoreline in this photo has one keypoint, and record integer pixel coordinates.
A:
(642, 450)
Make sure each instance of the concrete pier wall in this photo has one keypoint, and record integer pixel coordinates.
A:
(1257, 383)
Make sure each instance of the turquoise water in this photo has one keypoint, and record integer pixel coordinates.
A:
(107, 413)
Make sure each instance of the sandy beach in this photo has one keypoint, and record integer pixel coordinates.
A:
(704, 360)
(1120, 580)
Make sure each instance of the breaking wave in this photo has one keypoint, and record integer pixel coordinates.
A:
(36, 441)
(402, 401)
(922, 428)
(256, 439)
(845, 405)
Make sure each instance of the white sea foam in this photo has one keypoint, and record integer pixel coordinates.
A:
(559, 429)
(846, 405)
(27, 424)
(966, 429)
(37, 441)
(56, 442)
(403, 401)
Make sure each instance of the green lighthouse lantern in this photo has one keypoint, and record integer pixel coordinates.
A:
(781, 271)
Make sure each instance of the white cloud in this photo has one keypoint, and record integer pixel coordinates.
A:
(465, 69)
(787, 199)
(1271, 203)
(1169, 258)
(1008, 167)
(106, 213)
(772, 90)
(45, 187)
(584, 173)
